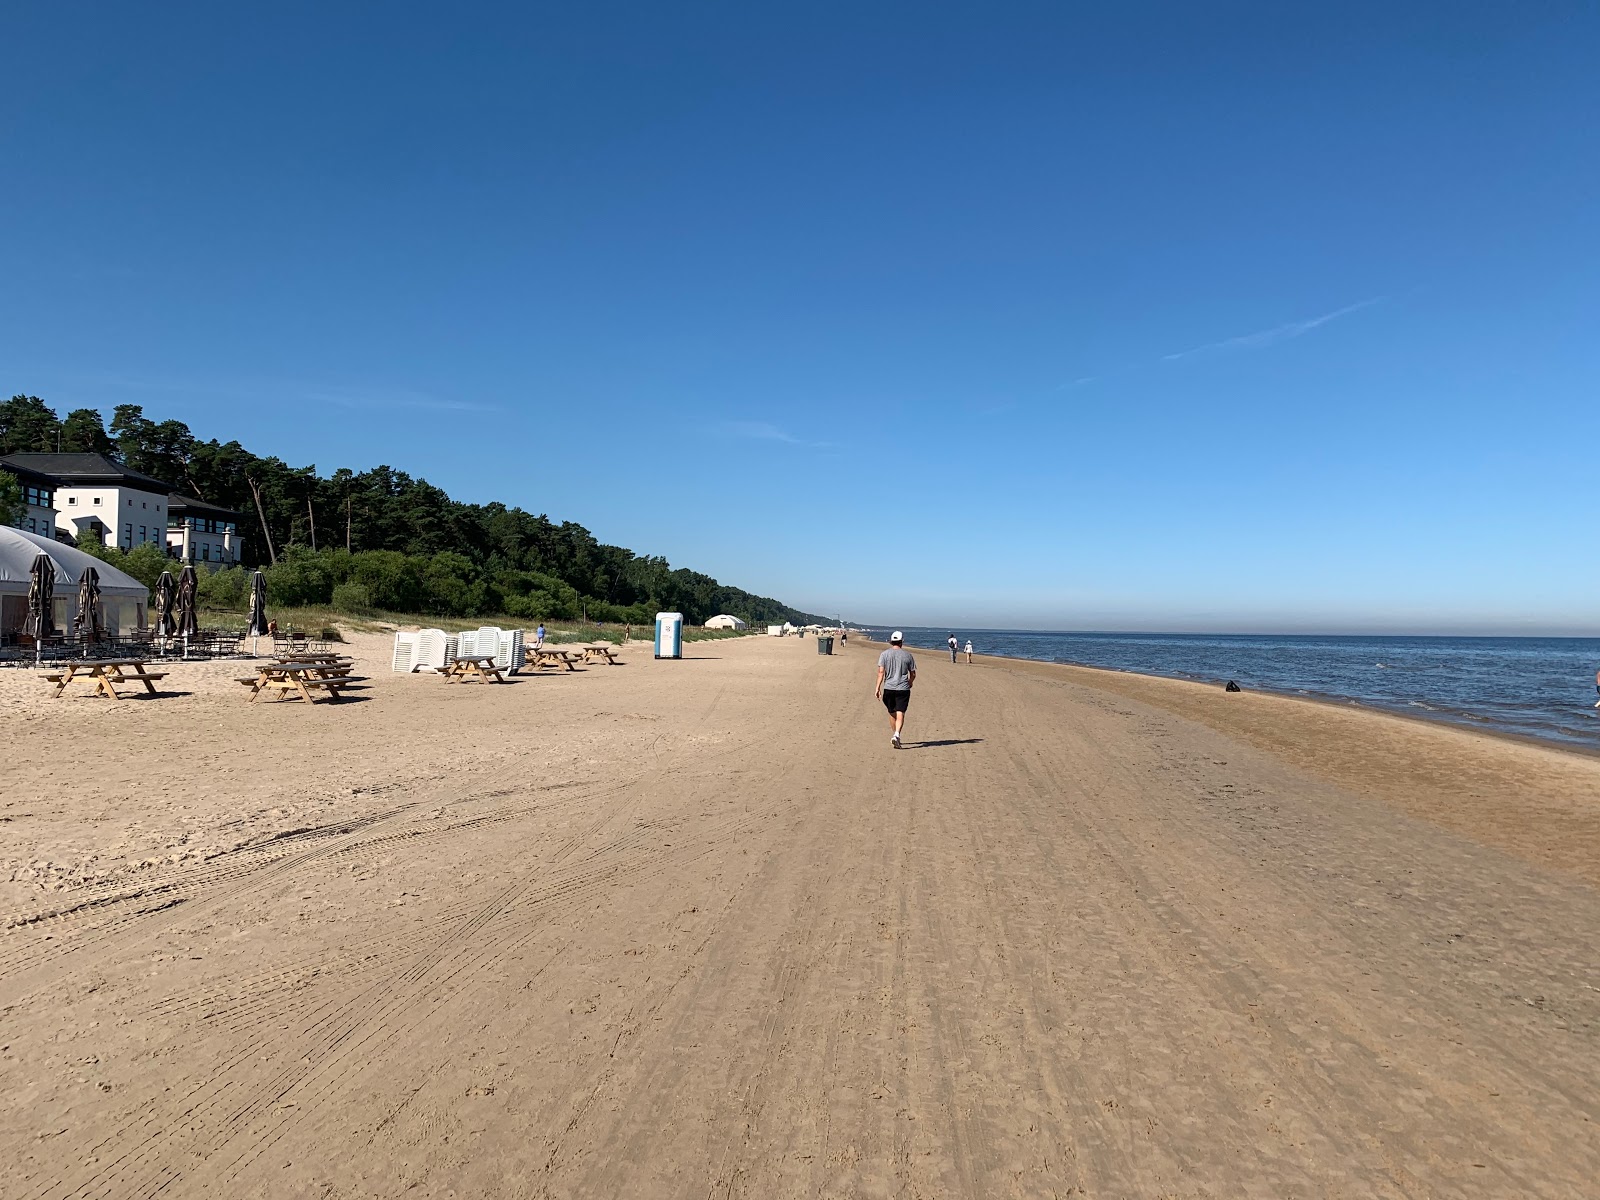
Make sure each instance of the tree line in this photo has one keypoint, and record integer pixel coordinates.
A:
(382, 539)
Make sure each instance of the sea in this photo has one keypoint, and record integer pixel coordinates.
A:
(1541, 688)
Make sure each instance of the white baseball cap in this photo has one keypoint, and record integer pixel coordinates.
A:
(897, 636)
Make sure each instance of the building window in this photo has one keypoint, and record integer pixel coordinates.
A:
(127, 533)
(72, 499)
(205, 551)
(142, 503)
(141, 535)
(97, 501)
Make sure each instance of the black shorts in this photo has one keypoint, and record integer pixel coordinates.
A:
(896, 702)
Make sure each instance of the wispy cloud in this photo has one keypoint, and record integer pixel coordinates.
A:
(761, 431)
(395, 399)
(1278, 333)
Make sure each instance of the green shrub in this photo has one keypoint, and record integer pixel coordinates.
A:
(352, 598)
(229, 589)
(392, 580)
(299, 578)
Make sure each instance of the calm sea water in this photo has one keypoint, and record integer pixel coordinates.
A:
(1540, 687)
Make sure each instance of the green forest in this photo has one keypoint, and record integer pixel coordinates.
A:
(381, 539)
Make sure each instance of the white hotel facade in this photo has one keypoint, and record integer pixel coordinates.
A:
(97, 496)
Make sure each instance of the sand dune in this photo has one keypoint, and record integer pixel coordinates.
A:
(693, 928)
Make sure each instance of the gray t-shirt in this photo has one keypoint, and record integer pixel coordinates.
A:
(897, 665)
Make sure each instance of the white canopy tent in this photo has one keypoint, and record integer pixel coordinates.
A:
(122, 596)
(725, 621)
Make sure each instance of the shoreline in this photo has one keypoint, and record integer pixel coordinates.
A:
(1462, 723)
(1537, 801)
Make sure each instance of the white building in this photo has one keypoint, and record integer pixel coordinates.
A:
(198, 532)
(98, 495)
(724, 621)
(38, 499)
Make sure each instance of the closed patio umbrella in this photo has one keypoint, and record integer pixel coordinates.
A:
(258, 607)
(165, 587)
(86, 624)
(41, 598)
(41, 603)
(188, 616)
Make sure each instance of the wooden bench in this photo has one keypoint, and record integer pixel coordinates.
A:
(302, 679)
(539, 657)
(601, 653)
(107, 674)
(473, 666)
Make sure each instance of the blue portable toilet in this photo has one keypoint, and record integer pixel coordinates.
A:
(669, 635)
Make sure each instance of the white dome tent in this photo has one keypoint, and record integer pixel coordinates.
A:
(121, 595)
(725, 621)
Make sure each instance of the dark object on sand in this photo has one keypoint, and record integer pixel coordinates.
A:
(1232, 687)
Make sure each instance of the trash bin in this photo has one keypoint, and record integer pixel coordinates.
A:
(824, 644)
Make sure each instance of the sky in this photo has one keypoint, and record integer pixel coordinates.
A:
(1247, 317)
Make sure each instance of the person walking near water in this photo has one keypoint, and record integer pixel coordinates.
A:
(969, 650)
(897, 671)
(1597, 688)
(952, 644)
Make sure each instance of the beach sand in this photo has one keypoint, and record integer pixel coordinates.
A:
(693, 928)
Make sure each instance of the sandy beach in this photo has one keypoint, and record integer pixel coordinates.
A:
(694, 929)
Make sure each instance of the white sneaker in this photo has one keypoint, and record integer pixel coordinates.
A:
(894, 740)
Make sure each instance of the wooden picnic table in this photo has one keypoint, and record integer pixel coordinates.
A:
(313, 657)
(473, 666)
(107, 673)
(550, 656)
(602, 652)
(301, 678)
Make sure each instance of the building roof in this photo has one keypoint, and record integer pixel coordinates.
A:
(27, 474)
(86, 470)
(179, 504)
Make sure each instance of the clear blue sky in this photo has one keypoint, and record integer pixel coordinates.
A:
(1166, 316)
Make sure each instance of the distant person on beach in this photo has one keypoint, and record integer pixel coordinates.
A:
(897, 671)
(538, 636)
(1597, 688)
(969, 649)
(952, 647)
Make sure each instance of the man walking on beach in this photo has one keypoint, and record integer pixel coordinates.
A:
(897, 671)
(952, 647)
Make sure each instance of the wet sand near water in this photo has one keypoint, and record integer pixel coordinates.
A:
(693, 928)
